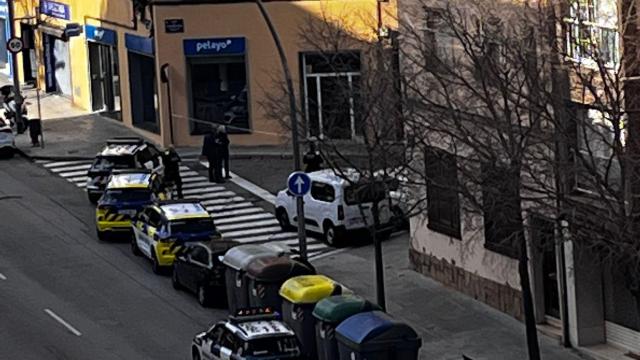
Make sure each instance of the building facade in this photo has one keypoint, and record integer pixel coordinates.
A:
(573, 288)
(167, 70)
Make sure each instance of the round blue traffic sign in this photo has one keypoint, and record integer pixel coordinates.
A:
(299, 183)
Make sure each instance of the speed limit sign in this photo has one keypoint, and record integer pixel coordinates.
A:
(14, 45)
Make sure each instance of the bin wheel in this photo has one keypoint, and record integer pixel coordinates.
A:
(331, 235)
(203, 297)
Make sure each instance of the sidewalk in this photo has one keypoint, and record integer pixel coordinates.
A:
(450, 324)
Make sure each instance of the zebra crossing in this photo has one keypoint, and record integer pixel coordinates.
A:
(236, 217)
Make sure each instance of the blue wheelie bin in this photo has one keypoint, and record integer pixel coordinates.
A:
(375, 335)
(329, 313)
(236, 260)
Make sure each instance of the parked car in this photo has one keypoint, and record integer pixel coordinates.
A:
(7, 141)
(335, 206)
(198, 269)
(254, 335)
(121, 153)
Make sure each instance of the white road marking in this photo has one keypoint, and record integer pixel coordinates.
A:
(226, 207)
(249, 186)
(63, 163)
(78, 179)
(2, 277)
(57, 318)
(240, 233)
(206, 189)
(196, 184)
(189, 179)
(260, 216)
(72, 174)
(222, 194)
(71, 168)
(269, 237)
(188, 173)
(247, 225)
(222, 201)
(233, 213)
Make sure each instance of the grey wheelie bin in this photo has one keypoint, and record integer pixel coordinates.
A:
(329, 313)
(236, 261)
(375, 335)
(265, 276)
(300, 295)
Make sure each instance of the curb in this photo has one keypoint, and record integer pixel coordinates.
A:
(51, 157)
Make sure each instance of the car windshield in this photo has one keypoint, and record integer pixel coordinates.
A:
(127, 195)
(113, 162)
(364, 193)
(272, 346)
(192, 226)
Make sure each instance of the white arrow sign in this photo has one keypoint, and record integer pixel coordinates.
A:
(299, 183)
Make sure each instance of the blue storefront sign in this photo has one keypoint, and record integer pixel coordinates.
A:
(55, 9)
(4, 9)
(140, 44)
(215, 46)
(99, 34)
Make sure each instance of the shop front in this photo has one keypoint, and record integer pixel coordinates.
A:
(142, 82)
(5, 66)
(104, 70)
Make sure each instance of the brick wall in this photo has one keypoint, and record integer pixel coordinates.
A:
(498, 296)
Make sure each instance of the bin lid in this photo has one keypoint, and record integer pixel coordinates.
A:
(276, 269)
(307, 289)
(240, 256)
(374, 327)
(335, 309)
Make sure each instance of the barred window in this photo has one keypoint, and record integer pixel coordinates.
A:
(591, 32)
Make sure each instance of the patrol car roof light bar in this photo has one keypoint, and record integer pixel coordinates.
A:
(119, 140)
(253, 314)
(130, 171)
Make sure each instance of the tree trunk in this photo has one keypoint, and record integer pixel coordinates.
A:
(379, 266)
(527, 303)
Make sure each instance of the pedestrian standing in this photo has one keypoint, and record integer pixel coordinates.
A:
(210, 150)
(223, 140)
(312, 159)
(171, 161)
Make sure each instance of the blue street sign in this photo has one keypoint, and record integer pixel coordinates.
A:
(214, 46)
(55, 9)
(299, 183)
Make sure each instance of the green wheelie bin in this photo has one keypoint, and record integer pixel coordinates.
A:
(329, 313)
(375, 335)
(236, 261)
(300, 295)
(265, 276)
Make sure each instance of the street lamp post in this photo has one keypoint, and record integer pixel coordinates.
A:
(294, 124)
(14, 64)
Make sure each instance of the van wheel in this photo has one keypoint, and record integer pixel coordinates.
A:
(175, 282)
(203, 297)
(195, 355)
(331, 234)
(283, 219)
(135, 250)
(155, 266)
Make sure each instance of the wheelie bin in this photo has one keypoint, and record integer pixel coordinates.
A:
(329, 313)
(236, 261)
(300, 295)
(265, 276)
(375, 335)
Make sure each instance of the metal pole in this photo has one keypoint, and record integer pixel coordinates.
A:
(294, 125)
(14, 64)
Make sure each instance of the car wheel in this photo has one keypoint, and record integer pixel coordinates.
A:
(175, 282)
(155, 266)
(102, 236)
(195, 354)
(94, 198)
(283, 219)
(134, 246)
(331, 234)
(203, 297)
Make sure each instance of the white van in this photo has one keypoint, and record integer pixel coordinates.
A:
(335, 206)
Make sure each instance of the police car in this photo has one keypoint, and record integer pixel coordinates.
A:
(126, 193)
(121, 153)
(159, 229)
(250, 334)
(335, 205)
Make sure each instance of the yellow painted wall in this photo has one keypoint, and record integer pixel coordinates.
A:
(115, 15)
(359, 17)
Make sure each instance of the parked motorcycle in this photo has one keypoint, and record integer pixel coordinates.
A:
(7, 139)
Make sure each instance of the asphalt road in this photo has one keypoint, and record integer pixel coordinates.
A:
(66, 295)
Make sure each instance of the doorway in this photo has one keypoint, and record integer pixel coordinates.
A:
(29, 64)
(144, 92)
(544, 237)
(57, 66)
(105, 80)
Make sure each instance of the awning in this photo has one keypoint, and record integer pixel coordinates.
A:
(52, 30)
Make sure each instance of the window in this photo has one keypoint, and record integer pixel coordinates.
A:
(128, 195)
(144, 92)
(332, 100)
(501, 209)
(592, 31)
(438, 41)
(155, 219)
(200, 254)
(364, 193)
(193, 226)
(219, 94)
(596, 163)
(322, 192)
(443, 206)
(229, 341)
(216, 333)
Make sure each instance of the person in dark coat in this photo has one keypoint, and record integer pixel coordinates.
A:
(171, 161)
(312, 159)
(210, 150)
(223, 142)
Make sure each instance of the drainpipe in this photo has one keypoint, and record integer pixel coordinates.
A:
(166, 79)
(565, 235)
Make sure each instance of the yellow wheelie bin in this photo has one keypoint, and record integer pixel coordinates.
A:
(300, 295)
